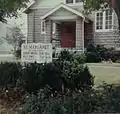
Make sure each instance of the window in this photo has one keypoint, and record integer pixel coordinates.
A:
(104, 20)
(53, 28)
(108, 20)
(99, 23)
(73, 1)
(43, 27)
(77, 1)
(69, 1)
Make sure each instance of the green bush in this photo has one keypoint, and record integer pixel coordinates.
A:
(70, 74)
(79, 58)
(65, 55)
(76, 76)
(9, 74)
(98, 53)
(93, 57)
(36, 76)
(106, 99)
(67, 71)
(32, 77)
(18, 54)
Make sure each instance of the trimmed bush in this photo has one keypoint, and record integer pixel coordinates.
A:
(106, 99)
(93, 57)
(9, 74)
(70, 74)
(98, 53)
(79, 58)
(65, 55)
(32, 77)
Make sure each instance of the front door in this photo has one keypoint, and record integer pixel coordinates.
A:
(68, 35)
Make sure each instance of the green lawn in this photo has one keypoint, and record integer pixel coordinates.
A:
(109, 73)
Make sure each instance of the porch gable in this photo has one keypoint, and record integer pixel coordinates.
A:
(65, 7)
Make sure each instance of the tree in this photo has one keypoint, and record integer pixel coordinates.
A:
(92, 5)
(9, 8)
(16, 38)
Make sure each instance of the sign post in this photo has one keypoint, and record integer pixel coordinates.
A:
(36, 52)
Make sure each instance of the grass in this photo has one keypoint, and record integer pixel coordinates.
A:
(109, 73)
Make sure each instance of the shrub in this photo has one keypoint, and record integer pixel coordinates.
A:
(76, 76)
(70, 74)
(18, 54)
(9, 74)
(80, 58)
(93, 57)
(94, 53)
(65, 55)
(32, 77)
(98, 53)
(36, 76)
(103, 100)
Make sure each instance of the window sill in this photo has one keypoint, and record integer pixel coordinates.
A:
(43, 33)
(105, 30)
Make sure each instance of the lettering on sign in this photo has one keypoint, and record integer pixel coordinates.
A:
(36, 52)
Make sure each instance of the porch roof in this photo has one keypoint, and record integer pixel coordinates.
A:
(66, 8)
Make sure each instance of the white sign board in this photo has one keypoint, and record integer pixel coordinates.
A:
(36, 52)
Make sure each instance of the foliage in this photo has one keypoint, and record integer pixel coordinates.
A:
(18, 53)
(65, 55)
(9, 8)
(95, 53)
(76, 76)
(36, 76)
(15, 37)
(80, 58)
(103, 100)
(98, 53)
(9, 74)
(12, 97)
(92, 5)
(71, 74)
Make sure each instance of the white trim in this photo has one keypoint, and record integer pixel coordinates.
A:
(29, 5)
(43, 22)
(53, 28)
(103, 26)
(63, 18)
(65, 7)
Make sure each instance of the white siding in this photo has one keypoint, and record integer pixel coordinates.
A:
(62, 12)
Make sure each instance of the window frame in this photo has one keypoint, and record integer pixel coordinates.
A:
(104, 22)
(43, 22)
(53, 28)
(74, 2)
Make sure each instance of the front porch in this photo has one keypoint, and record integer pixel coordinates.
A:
(71, 30)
